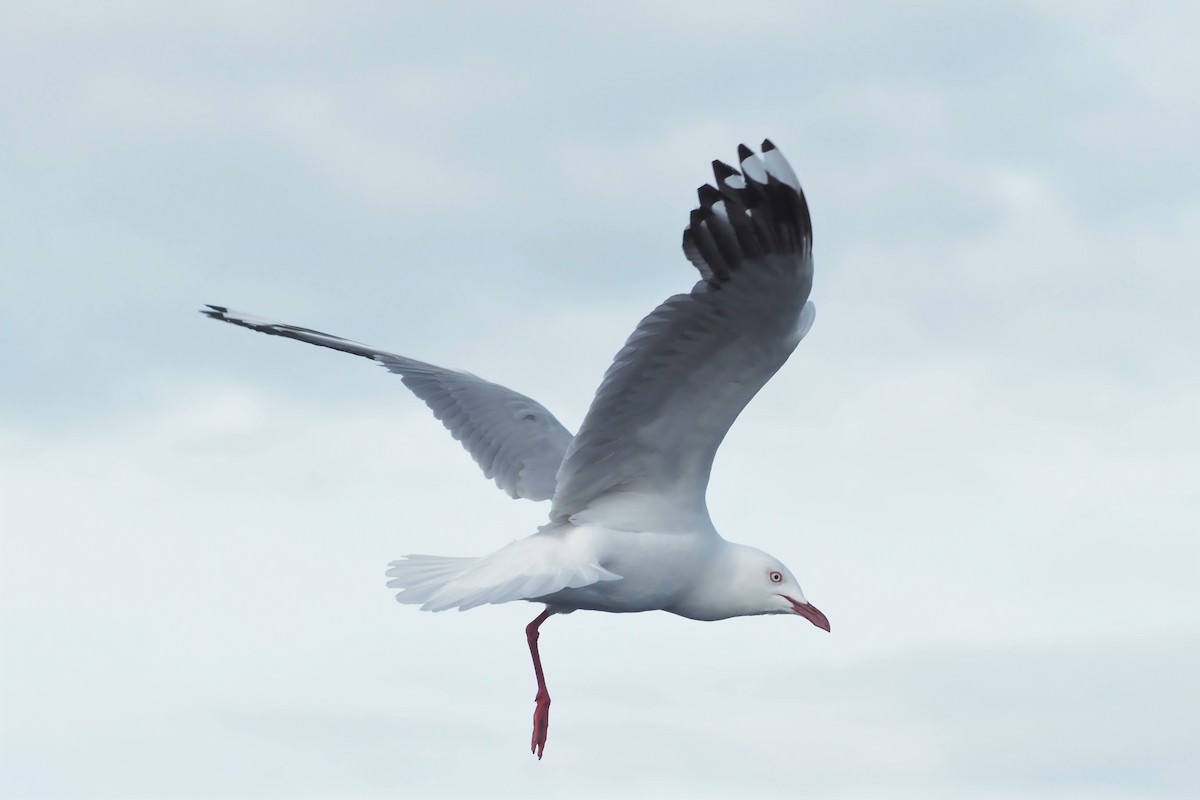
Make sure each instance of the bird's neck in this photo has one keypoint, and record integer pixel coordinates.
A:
(713, 595)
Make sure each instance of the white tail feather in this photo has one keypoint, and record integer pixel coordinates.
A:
(419, 576)
(524, 570)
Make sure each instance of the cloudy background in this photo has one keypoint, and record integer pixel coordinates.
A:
(982, 464)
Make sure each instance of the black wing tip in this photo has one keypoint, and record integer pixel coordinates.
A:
(215, 312)
(721, 170)
(709, 195)
(762, 211)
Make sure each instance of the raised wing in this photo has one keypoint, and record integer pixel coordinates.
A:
(513, 439)
(687, 371)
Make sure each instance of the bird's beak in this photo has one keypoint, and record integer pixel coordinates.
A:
(810, 613)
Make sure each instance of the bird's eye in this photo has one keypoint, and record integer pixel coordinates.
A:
(776, 577)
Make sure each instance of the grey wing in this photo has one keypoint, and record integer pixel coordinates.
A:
(694, 363)
(513, 439)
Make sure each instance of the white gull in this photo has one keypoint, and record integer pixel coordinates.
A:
(629, 528)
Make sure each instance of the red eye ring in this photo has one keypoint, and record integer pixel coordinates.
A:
(776, 576)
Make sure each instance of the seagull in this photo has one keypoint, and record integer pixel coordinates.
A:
(628, 526)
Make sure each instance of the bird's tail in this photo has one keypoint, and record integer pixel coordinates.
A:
(526, 569)
(420, 577)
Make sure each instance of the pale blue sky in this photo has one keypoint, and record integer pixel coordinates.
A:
(981, 463)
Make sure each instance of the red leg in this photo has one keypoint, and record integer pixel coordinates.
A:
(541, 712)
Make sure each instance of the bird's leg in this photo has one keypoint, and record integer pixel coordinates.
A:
(541, 712)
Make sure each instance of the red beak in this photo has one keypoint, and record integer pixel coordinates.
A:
(810, 613)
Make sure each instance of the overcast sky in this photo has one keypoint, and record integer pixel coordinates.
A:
(982, 463)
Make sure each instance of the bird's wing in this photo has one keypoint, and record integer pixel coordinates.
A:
(645, 450)
(513, 439)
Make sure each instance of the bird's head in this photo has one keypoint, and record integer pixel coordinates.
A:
(748, 582)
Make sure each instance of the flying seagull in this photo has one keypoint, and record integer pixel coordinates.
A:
(629, 528)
